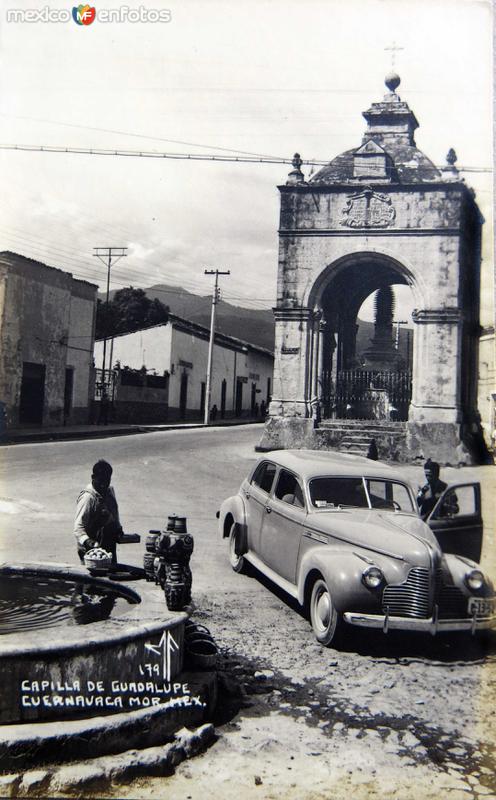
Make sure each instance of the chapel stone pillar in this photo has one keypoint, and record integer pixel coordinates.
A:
(294, 344)
(317, 365)
(437, 360)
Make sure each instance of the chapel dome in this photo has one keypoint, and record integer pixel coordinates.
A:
(409, 165)
(388, 150)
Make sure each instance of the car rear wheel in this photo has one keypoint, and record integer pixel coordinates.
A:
(238, 563)
(326, 621)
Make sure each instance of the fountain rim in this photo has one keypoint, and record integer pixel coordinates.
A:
(98, 638)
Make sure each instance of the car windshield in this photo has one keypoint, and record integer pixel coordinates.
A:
(356, 492)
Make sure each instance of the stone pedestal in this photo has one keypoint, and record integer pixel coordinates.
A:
(447, 443)
(374, 405)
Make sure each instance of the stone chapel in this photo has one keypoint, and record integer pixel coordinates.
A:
(378, 215)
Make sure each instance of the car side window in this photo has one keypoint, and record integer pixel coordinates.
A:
(263, 477)
(459, 503)
(379, 495)
(389, 495)
(288, 489)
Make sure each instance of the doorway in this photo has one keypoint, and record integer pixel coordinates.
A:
(32, 394)
(239, 397)
(223, 389)
(183, 395)
(68, 392)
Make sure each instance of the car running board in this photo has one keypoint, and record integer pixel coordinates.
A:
(269, 573)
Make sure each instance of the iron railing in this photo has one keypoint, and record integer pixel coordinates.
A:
(353, 396)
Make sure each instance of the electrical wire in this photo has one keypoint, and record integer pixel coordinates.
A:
(97, 151)
(122, 278)
(142, 136)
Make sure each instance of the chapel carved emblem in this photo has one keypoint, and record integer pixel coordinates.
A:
(368, 209)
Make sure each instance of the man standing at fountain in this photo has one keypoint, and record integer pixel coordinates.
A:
(97, 514)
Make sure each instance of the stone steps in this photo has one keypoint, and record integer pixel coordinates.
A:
(366, 433)
(357, 439)
(355, 436)
(356, 447)
(364, 425)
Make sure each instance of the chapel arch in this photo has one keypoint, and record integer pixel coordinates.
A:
(339, 374)
(364, 265)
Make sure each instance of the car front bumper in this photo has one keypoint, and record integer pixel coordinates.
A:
(432, 625)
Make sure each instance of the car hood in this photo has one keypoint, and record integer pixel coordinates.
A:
(386, 532)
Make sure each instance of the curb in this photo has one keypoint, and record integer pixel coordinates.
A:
(102, 433)
(31, 747)
(119, 768)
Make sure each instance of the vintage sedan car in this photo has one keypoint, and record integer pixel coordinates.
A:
(341, 534)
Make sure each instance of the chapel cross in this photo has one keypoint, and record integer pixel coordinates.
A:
(394, 48)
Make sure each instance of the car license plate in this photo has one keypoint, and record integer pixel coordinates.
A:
(481, 606)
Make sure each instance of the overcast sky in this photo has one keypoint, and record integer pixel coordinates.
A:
(263, 77)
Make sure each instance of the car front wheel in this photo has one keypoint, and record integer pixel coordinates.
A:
(326, 621)
(238, 563)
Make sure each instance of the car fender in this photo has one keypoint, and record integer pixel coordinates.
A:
(233, 510)
(342, 571)
(459, 567)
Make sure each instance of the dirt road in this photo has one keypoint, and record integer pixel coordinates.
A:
(391, 717)
(397, 716)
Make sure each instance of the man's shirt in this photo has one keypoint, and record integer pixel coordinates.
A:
(93, 511)
(428, 496)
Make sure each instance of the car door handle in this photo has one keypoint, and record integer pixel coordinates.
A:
(268, 510)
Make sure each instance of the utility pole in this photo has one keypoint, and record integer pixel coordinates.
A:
(398, 322)
(215, 299)
(108, 256)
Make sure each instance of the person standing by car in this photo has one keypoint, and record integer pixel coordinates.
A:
(97, 514)
(429, 494)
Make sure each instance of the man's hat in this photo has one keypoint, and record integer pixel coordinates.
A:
(433, 466)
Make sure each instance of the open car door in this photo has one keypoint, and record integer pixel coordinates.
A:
(456, 520)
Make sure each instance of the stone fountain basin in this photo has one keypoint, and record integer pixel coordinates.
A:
(127, 662)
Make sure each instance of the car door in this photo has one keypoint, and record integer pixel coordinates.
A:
(282, 528)
(256, 495)
(456, 520)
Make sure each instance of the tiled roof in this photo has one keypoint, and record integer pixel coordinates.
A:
(410, 166)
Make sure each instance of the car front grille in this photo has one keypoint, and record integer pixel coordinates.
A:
(416, 598)
(452, 603)
(411, 598)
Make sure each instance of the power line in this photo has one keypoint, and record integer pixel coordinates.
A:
(141, 136)
(97, 151)
(126, 277)
(68, 256)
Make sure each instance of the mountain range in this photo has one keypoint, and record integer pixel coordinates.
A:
(252, 325)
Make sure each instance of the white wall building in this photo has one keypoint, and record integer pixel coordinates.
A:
(241, 372)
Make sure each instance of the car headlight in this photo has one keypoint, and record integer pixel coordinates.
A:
(474, 579)
(372, 577)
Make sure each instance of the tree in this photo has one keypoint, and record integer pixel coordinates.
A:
(105, 322)
(129, 310)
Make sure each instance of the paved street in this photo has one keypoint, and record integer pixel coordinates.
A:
(155, 474)
(297, 720)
